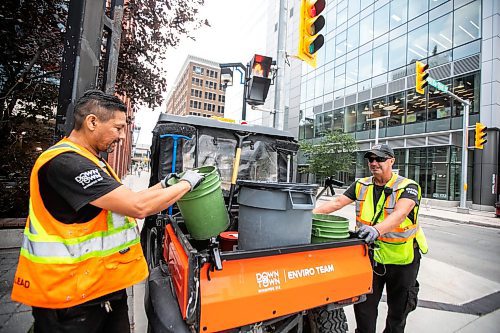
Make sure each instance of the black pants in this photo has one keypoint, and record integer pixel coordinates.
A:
(85, 318)
(402, 290)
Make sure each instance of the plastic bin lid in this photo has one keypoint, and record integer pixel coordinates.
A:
(265, 185)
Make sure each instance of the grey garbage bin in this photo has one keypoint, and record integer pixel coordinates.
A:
(274, 214)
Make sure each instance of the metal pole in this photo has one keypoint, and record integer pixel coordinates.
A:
(280, 62)
(465, 142)
(245, 88)
(377, 126)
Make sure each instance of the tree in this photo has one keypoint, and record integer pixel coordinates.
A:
(332, 154)
(154, 25)
(31, 47)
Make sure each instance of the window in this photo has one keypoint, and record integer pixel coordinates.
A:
(323, 123)
(329, 77)
(380, 59)
(198, 70)
(339, 77)
(329, 50)
(467, 23)
(366, 29)
(417, 44)
(341, 17)
(340, 49)
(466, 87)
(397, 52)
(415, 8)
(365, 66)
(338, 119)
(353, 8)
(415, 106)
(381, 20)
(396, 105)
(331, 19)
(353, 37)
(439, 106)
(351, 76)
(350, 118)
(440, 34)
(398, 12)
(319, 85)
(362, 124)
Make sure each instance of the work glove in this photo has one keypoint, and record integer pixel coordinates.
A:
(164, 181)
(193, 178)
(369, 233)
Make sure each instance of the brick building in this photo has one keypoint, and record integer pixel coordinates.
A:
(197, 90)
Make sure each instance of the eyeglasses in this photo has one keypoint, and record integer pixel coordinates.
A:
(377, 158)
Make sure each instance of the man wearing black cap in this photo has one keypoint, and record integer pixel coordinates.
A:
(387, 219)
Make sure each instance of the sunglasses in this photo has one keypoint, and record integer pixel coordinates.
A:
(377, 158)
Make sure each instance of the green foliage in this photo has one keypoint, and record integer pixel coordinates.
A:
(150, 27)
(335, 152)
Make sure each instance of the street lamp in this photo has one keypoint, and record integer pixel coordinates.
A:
(226, 79)
(367, 111)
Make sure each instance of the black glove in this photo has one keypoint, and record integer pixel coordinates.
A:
(369, 233)
(193, 178)
(164, 181)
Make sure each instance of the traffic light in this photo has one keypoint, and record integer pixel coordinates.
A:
(258, 85)
(421, 77)
(480, 136)
(311, 22)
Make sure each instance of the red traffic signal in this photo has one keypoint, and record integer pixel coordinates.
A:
(260, 66)
(259, 83)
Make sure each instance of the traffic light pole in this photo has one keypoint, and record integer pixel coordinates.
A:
(465, 144)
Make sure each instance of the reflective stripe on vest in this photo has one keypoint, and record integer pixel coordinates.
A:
(55, 249)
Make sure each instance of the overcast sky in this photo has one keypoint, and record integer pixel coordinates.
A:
(237, 32)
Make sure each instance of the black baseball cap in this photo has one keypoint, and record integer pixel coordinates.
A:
(381, 151)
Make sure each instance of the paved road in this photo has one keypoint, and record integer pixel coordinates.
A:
(472, 248)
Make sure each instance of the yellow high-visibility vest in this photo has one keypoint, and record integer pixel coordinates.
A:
(395, 246)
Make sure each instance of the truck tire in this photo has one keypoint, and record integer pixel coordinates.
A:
(322, 320)
(153, 250)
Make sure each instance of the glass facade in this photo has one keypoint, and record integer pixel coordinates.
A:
(436, 169)
(369, 44)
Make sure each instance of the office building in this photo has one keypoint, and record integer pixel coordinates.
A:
(366, 69)
(197, 90)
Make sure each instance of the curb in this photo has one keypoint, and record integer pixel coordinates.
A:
(479, 224)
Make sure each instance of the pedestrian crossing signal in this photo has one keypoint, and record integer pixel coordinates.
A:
(311, 23)
(480, 136)
(421, 77)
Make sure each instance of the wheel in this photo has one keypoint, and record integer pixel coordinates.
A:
(322, 320)
(153, 248)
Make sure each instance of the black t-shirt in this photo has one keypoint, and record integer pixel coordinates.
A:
(410, 192)
(69, 182)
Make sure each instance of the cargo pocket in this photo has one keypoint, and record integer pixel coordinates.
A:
(411, 304)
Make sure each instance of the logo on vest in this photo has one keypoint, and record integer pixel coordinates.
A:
(22, 282)
(412, 191)
(89, 178)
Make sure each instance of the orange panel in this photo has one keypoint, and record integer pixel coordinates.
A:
(252, 290)
(178, 265)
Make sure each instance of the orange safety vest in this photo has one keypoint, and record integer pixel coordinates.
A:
(63, 265)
